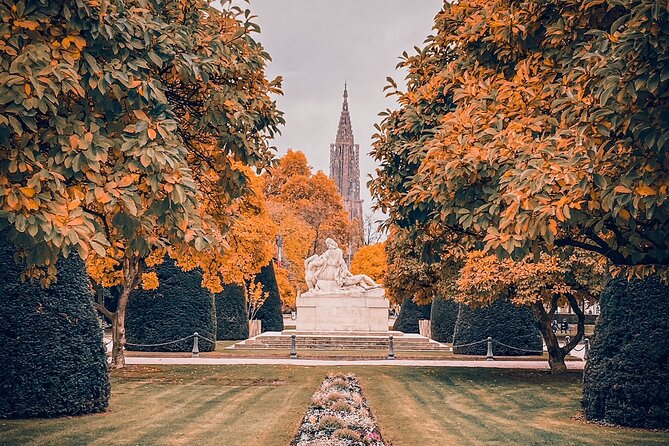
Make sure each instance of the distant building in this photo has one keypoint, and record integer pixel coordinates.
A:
(345, 164)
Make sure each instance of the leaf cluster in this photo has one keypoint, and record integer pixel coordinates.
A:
(534, 127)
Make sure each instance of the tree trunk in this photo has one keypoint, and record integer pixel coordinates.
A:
(118, 330)
(580, 330)
(131, 275)
(556, 354)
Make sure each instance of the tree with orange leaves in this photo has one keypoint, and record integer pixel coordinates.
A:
(371, 260)
(539, 284)
(307, 208)
(124, 145)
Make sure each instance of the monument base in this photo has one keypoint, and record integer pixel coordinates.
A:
(350, 310)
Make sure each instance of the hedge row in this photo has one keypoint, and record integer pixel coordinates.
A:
(625, 380)
(270, 313)
(177, 309)
(504, 322)
(410, 314)
(443, 316)
(51, 349)
(231, 314)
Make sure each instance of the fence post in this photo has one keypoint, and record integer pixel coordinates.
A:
(196, 349)
(489, 356)
(586, 349)
(293, 347)
(391, 347)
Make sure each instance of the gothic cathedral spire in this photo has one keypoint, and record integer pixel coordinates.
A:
(345, 163)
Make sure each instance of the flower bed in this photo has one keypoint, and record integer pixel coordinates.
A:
(338, 416)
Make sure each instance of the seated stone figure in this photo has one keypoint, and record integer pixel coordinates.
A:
(330, 266)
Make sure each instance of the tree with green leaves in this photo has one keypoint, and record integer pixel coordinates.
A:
(119, 125)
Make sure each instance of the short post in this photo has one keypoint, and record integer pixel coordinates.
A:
(293, 347)
(196, 348)
(489, 356)
(586, 349)
(566, 340)
(391, 347)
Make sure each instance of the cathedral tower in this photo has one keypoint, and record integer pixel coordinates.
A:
(345, 164)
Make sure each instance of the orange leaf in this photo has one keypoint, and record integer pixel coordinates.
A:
(27, 191)
(622, 190)
(74, 141)
(553, 226)
(126, 181)
(645, 191)
(152, 134)
(102, 196)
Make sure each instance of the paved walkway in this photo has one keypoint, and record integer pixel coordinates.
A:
(531, 365)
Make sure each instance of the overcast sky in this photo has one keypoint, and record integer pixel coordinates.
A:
(316, 45)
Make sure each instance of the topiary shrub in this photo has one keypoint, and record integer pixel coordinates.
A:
(504, 322)
(410, 314)
(231, 314)
(270, 312)
(53, 360)
(443, 316)
(177, 309)
(625, 380)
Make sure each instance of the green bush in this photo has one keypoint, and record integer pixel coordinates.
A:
(231, 314)
(53, 360)
(177, 309)
(410, 314)
(270, 312)
(504, 322)
(625, 380)
(443, 317)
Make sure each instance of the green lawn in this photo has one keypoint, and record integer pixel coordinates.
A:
(263, 406)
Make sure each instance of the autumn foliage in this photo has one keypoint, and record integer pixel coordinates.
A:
(128, 123)
(371, 260)
(533, 128)
(307, 208)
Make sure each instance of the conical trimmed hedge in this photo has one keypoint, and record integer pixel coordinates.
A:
(443, 317)
(410, 314)
(625, 380)
(52, 357)
(232, 314)
(504, 322)
(270, 312)
(177, 309)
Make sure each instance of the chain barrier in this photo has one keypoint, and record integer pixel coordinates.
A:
(516, 348)
(471, 343)
(161, 344)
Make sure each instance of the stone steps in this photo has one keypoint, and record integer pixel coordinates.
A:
(282, 341)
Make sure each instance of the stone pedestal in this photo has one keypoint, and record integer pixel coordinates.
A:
(352, 310)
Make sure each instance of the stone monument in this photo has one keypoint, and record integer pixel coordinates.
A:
(338, 301)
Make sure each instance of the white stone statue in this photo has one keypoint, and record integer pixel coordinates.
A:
(330, 268)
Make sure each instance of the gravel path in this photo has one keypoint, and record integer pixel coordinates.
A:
(501, 364)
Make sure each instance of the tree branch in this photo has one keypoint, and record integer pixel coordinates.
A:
(102, 217)
(102, 309)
